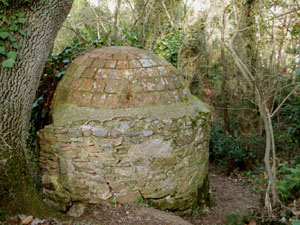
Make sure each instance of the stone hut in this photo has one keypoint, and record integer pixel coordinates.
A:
(125, 127)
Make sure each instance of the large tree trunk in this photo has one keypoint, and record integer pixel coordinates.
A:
(18, 86)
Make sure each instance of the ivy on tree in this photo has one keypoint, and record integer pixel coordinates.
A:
(10, 29)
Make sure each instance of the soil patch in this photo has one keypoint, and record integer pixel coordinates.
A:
(228, 196)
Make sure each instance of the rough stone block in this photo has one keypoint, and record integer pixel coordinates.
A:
(116, 132)
(75, 133)
(127, 198)
(147, 133)
(117, 186)
(77, 209)
(100, 132)
(132, 133)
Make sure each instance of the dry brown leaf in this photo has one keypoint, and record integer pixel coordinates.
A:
(252, 222)
(27, 220)
(295, 212)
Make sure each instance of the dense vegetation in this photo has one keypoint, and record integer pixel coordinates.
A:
(215, 48)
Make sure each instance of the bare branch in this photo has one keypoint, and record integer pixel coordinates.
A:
(243, 68)
(284, 100)
(168, 14)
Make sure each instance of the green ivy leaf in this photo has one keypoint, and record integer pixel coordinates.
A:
(21, 20)
(13, 27)
(4, 34)
(12, 39)
(9, 63)
(20, 14)
(1, 43)
(12, 55)
(60, 74)
(5, 20)
(15, 45)
(4, 2)
(22, 32)
(2, 51)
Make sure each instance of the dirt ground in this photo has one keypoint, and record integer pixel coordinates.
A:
(228, 196)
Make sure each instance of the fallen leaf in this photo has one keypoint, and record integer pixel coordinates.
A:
(27, 220)
(295, 212)
(37, 221)
(252, 222)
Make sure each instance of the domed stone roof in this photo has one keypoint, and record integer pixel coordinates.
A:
(119, 78)
(125, 127)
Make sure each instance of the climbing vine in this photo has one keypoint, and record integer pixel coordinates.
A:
(10, 29)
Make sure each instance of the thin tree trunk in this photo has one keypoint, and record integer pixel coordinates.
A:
(117, 11)
(265, 115)
(17, 91)
(269, 146)
(225, 75)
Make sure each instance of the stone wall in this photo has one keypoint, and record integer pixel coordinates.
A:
(123, 158)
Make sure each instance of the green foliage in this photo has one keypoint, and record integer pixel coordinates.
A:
(197, 212)
(2, 216)
(296, 29)
(295, 222)
(232, 151)
(168, 46)
(293, 112)
(11, 28)
(235, 219)
(288, 183)
(287, 129)
(8, 63)
(256, 179)
(129, 39)
(142, 200)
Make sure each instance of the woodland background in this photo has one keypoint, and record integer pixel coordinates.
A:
(240, 56)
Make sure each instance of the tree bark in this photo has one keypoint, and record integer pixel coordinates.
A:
(225, 75)
(18, 86)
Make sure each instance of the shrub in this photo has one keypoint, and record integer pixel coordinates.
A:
(288, 127)
(232, 151)
(236, 219)
(288, 183)
(169, 45)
